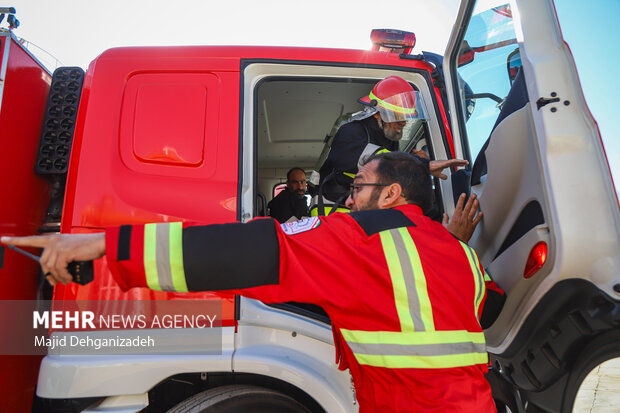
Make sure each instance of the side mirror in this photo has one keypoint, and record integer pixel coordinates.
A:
(466, 54)
(513, 64)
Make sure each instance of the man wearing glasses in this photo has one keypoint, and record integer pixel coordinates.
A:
(404, 295)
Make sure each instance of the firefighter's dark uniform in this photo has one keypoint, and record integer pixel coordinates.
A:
(403, 294)
(353, 143)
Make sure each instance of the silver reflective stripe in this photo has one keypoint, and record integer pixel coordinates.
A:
(412, 294)
(162, 251)
(443, 349)
(368, 151)
(479, 276)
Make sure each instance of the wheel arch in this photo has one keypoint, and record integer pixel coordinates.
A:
(574, 325)
(184, 386)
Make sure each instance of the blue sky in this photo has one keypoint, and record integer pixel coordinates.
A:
(592, 33)
(76, 31)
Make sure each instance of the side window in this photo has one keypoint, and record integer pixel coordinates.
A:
(488, 61)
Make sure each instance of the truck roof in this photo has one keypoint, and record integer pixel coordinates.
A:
(361, 57)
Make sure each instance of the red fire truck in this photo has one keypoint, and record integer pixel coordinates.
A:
(205, 134)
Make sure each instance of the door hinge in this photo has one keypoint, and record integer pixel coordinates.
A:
(545, 101)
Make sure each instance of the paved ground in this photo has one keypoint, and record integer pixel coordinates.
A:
(600, 392)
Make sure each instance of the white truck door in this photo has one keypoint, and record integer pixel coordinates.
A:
(551, 221)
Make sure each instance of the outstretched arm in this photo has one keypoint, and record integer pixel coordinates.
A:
(182, 257)
(59, 250)
(465, 218)
(437, 167)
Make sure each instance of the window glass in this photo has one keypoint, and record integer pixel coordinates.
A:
(488, 61)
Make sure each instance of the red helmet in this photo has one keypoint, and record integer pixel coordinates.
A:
(395, 100)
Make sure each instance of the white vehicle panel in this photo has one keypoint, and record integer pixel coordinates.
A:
(574, 186)
(304, 362)
(65, 376)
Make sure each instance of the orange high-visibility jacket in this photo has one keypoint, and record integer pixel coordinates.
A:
(403, 294)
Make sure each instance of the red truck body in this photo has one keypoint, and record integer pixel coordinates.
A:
(128, 165)
(132, 93)
(25, 195)
(205, 134)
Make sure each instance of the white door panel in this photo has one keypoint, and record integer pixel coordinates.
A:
(548, 151)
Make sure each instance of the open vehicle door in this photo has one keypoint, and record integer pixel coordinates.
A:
(550, 236)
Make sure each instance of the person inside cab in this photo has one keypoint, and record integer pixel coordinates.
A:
(390, 104)
(290, 204)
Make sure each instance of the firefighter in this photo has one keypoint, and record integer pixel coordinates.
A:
(403, 294)
(390, 104)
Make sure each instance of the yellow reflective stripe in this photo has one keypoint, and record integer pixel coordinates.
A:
(418, 344)
(413, 304)
(427, 349)
(398, 281)
(163, 257)
(150, 256)
(350, 175)
(426, 309)
(418, 337)
(477, 274)
(381, 151)
(314, 212)
(389, 106)
(176, 257)
(487, 277)
(423, 362)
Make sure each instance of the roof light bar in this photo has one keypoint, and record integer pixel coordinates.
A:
(393, 41)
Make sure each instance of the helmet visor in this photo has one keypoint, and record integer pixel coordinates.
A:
(401, 107)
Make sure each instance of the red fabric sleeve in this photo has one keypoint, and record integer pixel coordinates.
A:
(314, 264)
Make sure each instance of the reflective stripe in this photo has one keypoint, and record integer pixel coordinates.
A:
(393, 108)
(418, 344)
(176, 257)
(431, 349)
(350, 175)
(162, 249)
(478, 276)
(426, 362)
(314, 212)
(163, 257)
(150, 256)
(408, 281)
(417, 337)
(441, 349)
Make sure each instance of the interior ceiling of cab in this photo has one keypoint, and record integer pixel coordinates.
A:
(294, 116)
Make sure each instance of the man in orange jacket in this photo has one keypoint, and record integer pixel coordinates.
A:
(404, 295)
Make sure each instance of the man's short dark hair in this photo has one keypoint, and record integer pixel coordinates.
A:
(409, 172)
(293, 169)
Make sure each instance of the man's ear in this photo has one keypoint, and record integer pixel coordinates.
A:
(378, 117)
(391, 195)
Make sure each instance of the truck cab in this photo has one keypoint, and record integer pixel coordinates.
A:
(204, 134)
